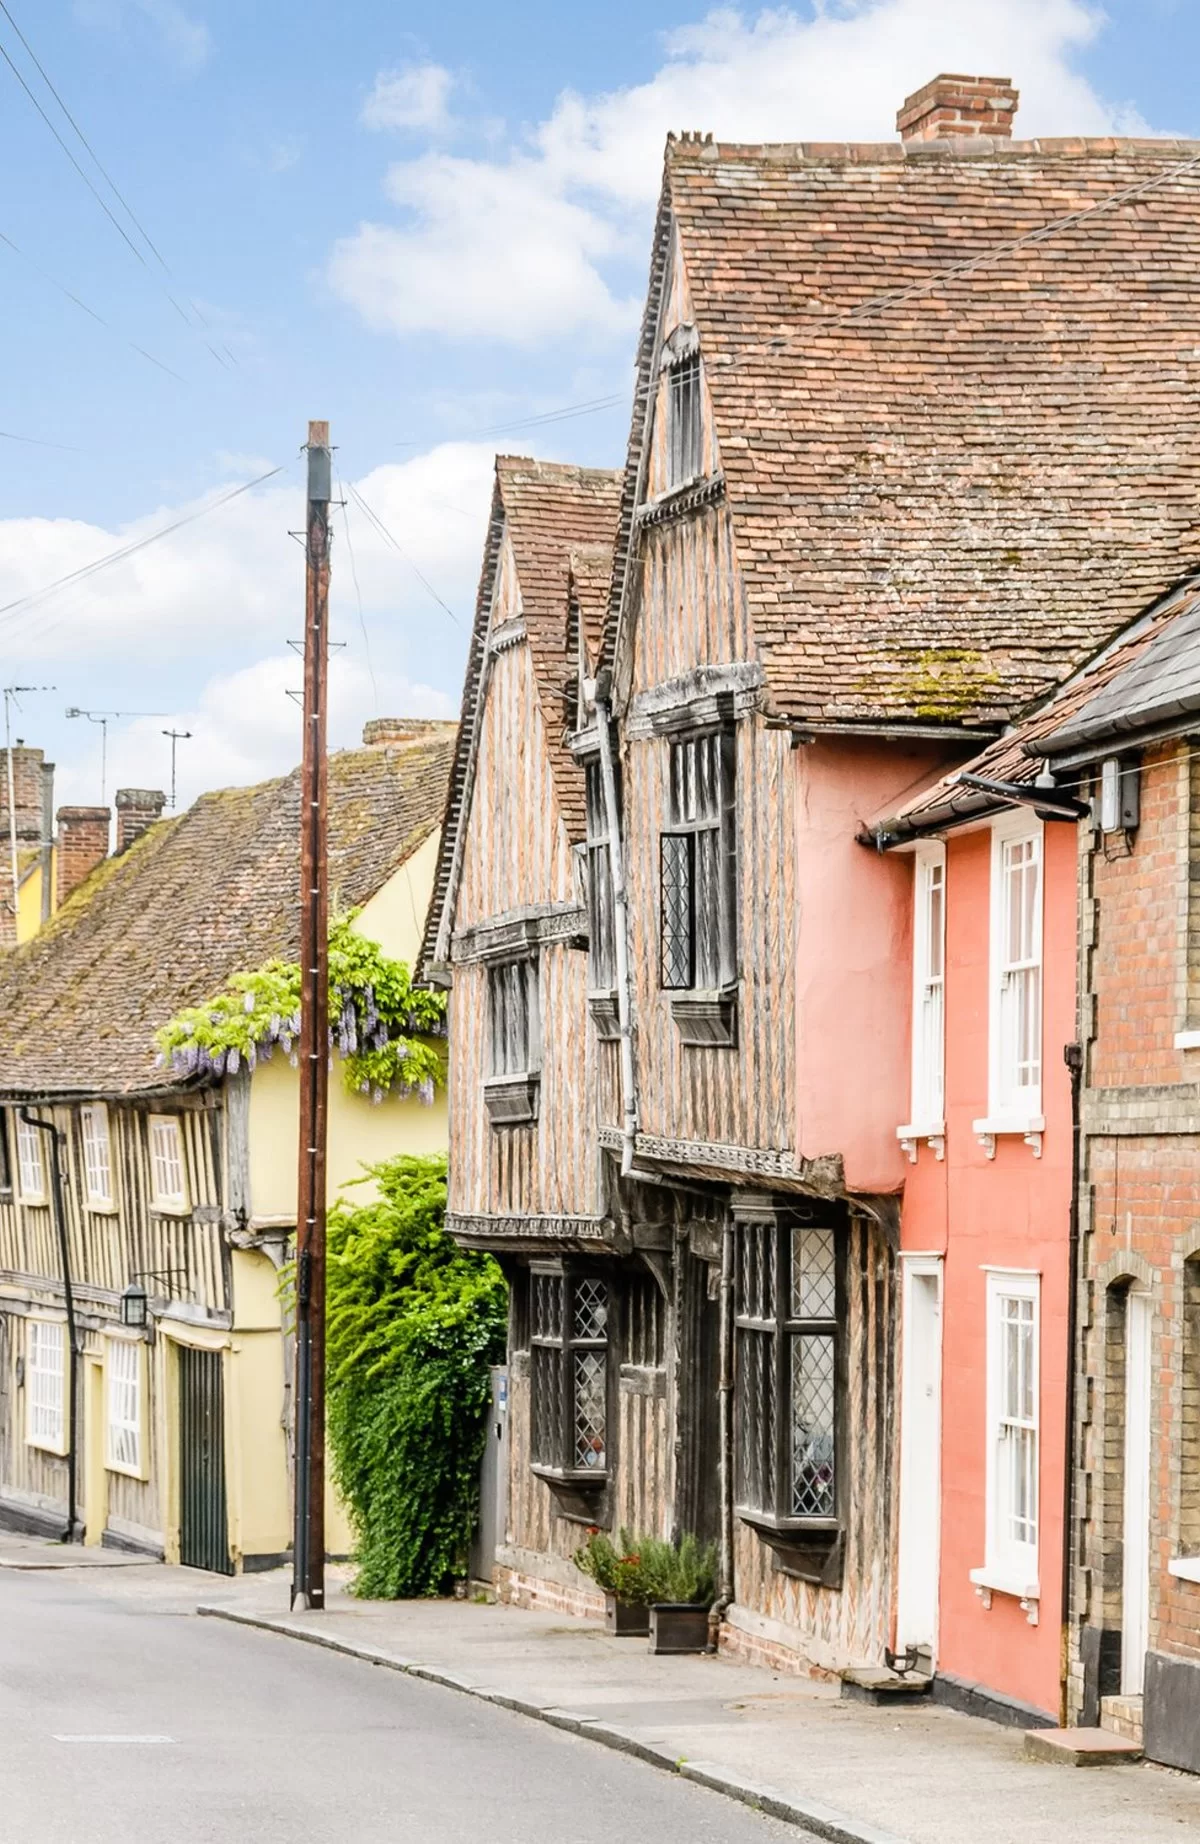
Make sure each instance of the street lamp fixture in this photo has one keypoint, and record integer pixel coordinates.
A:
(135, 1302)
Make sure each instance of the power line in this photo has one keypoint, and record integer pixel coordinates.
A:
(396, 545)
(33, 441)
(91, 313)
(104, 173)
(85, 571)
(362, 620)
(533, 422)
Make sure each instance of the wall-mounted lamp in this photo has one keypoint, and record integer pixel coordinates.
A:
(135, 1302)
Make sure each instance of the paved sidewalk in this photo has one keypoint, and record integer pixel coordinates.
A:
(923, 1775)
(18, 1552)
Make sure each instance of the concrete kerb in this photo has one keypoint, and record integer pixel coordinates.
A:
(813, 1815)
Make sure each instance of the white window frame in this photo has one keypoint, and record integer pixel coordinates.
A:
(1011, 1563)
(97, 1157)
(174, 1202)
(31, 1163)
(125, 1406)
(927, 1099)
(46, 1363)
(1013, 1107)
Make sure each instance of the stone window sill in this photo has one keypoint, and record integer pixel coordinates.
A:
(988, 1581)
(1184, 1568)
(705, 1018)
(1187, 1040)
(1030, 1127)
(933, 1131)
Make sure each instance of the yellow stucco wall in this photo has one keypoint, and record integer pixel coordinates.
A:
(360, 1134)
(29, 902)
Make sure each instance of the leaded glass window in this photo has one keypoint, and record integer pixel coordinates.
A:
(788, 1367)
(685, 421)
(569, 1315)
(602, 953)
(697, 928)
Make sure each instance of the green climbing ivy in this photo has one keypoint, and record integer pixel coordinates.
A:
(383, 1027)
(413, 1323)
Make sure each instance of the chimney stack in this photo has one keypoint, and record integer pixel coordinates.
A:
(953, 105)
(82, 845)
(137, 809)
(30, 773)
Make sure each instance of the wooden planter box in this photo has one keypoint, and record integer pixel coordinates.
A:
(678, 1626)
(626, 1619)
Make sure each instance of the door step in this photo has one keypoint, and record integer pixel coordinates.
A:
(1080, 1747)
(874, 1684)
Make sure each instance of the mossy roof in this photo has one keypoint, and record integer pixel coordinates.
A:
(196, 899)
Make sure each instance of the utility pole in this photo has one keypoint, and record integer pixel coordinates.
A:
(308, 1566)
(177, 737)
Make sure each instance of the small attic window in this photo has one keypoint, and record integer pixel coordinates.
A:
(685, 429)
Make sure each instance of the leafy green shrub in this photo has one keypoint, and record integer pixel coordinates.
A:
(647, 1569)
(413, 1322)
(381, 1025)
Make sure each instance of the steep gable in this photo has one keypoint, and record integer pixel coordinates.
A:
(955, 392)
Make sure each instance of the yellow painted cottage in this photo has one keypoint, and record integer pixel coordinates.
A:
(119, 1172)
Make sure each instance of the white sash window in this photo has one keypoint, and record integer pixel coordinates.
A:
(1015, 1008)
(45, 1384)
(97, 1156)
(168, 1183)
(1012, 1434)
(929, 990)
(123, 1390)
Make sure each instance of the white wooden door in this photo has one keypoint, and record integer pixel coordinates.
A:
(1135, 1582)
(920, 1455)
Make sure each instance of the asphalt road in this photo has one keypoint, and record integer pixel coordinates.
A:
(123, 1716)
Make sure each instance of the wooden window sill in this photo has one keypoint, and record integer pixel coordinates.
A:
(603, 1009)
(706, 1018)
(511, 1101)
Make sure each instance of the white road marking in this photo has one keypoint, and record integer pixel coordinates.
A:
(113, 1741)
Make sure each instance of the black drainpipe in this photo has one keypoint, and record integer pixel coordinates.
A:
(60, 1224)
(1073, 1057)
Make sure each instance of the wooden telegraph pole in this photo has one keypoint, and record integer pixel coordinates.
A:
(308, 1568)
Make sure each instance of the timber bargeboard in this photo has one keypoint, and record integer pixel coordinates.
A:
(521, 931)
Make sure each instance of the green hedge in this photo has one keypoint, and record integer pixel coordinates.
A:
(413, 1324)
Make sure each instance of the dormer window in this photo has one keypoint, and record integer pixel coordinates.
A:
(685, 424)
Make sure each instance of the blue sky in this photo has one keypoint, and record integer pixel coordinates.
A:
(419, 225)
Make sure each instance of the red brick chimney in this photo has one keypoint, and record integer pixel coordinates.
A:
(82, 845)
(953, 105)
(137, 808)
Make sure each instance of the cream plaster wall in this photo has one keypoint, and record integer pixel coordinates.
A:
(360, 1134)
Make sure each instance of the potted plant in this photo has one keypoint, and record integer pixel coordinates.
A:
(617, 1568)
(682, 1580)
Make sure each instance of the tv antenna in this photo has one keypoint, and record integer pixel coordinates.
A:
(104, 718)
(177, 737)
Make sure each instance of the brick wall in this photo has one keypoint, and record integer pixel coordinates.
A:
(82, 845)
(1139, 1212)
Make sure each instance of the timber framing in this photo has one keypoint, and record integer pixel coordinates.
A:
(536, 1235)
(703, 698)
(733, 1164)
(521, 931)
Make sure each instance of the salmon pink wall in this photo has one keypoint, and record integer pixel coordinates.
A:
(853, 953)
(1012, 1212)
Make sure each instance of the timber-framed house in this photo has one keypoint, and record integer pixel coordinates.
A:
(858, 531)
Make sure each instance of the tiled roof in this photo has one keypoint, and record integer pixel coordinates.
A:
(194, 900)
(552, 513)
(944, 502)
(1158, 685)
(1019, 756)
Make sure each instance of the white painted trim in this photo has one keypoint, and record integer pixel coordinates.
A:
(1010, 1567)
(1136, 1558)
(1007, 829)
(920, 1482)
(1187, 1040)
(1186, 1568)
(927, 1072)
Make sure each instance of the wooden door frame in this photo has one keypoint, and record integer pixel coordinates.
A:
(176, 1335)
(95, 1457)
(1139, 1305)
(919, 1265)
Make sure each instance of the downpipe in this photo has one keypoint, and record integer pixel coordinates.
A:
(616, 861)
(717, 1611)
(64, 1250)
(1073, 1057)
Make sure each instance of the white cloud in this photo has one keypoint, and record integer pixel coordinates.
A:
(490, 248)
(417, 96)
(171, 628)
(186, 39)
(244, 727)
(527, 244)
